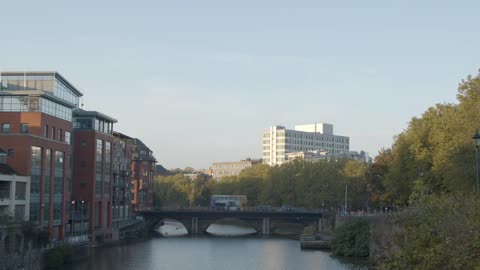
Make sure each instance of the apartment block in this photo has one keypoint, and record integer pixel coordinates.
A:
(36, 129)
(278, 141)
(223, 169)
(14, 192)
(93, 171)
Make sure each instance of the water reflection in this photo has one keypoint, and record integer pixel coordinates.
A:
(204, 253)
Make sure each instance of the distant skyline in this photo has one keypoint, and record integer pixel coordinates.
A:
(199, 81)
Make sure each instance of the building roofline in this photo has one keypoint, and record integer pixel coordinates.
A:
(121, 135)
(81, 112)
(56, 74)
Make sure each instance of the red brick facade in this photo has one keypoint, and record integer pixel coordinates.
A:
(20, 146)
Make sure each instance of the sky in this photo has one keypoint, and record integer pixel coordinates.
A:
(199, 81)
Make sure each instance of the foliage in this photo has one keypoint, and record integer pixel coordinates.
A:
(443, 232)
(299, 183)
(58, 257)
(352, 239)
(436, 149)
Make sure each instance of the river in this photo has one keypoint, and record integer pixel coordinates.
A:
(211, 253)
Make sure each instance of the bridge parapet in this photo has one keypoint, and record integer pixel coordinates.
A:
(197, 220)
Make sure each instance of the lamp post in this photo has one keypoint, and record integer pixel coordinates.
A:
(476, 139)
(72, 219)
(82, 230)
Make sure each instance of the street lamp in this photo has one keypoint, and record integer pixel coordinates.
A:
(82, 230)
(476, 139)
(72, 219)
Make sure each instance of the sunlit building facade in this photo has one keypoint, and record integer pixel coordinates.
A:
(279, 141)
(93, 169)
(36, 129)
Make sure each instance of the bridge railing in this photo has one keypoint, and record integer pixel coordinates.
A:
(246, 209)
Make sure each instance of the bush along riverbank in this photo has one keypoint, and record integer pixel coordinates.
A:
(352, 239)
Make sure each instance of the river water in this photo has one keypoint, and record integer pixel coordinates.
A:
(211, 253)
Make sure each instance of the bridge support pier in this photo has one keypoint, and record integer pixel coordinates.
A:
(194, 229)
(266, 226)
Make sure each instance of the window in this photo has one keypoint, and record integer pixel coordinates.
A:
(67, 137)
(5, 128)
(59, 135)
(53, 133)
(24, 128)
(11, 153)
(45, 131)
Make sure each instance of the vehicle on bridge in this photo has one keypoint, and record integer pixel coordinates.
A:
(228, 202)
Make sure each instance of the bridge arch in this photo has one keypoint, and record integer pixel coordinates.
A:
(170, 227)
(229, 227)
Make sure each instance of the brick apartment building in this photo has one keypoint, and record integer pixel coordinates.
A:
(36, 129)
(93, 172)
(84, 178)
(141, 171)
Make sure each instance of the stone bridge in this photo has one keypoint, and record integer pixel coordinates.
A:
(196, 221)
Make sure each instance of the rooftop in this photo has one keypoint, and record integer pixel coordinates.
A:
(80, 112)
(56, 74)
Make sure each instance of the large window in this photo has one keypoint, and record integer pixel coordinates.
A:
(98, 169)
(58, 188)
(35, 183)
(24, 128)
(55, 109)
(5, 128)
(62, 91)
(68, 137)
(108, 153)
(34, 104)
(82, 123)
(46, 193)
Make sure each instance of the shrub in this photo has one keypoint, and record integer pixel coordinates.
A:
(352, 239)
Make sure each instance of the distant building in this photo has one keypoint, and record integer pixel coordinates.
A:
(279, 141)
(223, 169)
(143, 175)
(320, 155)
(14, 192)
(197, 175)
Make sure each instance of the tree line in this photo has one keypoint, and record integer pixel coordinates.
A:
(298, 183)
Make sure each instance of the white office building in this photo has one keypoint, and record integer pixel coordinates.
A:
(279, 141)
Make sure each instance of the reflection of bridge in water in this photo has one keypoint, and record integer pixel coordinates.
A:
(197, 220)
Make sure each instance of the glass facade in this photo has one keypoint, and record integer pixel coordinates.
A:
(34, 104)
(98, 169)
(46, 194)
(55, 109)
(26, 82)
(82, 123)
(62, 91)
(58, 188)
(35, 183)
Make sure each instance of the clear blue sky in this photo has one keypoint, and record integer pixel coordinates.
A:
(198, 81)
